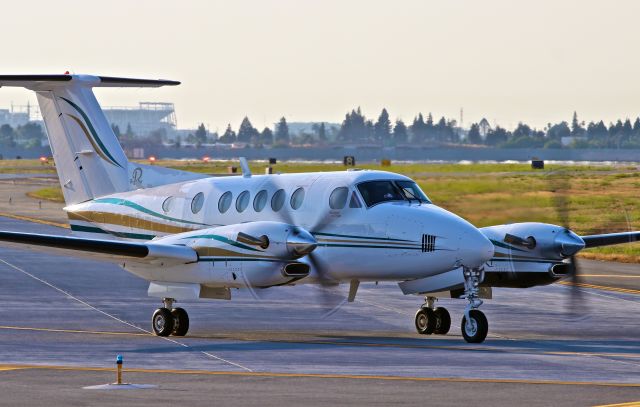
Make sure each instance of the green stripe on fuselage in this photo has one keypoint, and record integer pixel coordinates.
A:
(138, 207)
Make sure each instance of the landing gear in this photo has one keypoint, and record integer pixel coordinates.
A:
(443, 321)
(430, 320)
(167, 321)
(425, 321)
(162, 322)
(180, 321)
(474, 323)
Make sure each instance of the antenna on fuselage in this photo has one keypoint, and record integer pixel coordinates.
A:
(244, 164)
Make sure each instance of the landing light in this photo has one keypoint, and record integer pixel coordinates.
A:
(152, 159)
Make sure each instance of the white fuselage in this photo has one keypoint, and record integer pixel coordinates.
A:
(395, 240)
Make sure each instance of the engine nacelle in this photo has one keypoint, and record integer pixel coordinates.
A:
(267, 240)
(533, 241)
(529, 254)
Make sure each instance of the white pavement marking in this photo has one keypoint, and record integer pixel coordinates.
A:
(116, 318)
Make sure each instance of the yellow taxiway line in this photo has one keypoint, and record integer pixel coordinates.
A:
(319, 376)
(610, 275)
(630, 404)
(34, 220)
(600, 287)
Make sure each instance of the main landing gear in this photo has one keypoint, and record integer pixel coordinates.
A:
(170, 321)
(430, 320)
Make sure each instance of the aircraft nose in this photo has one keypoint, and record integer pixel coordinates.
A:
(475, 249)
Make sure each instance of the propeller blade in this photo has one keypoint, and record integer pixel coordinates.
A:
(559, 185)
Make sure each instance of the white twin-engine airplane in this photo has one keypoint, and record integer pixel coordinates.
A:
(193, 236)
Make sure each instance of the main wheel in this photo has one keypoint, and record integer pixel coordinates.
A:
(478, 327)
(425, 321)
(443, 321)
(180, 321)
(162, 322)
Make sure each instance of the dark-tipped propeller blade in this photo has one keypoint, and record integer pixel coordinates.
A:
(559, 186)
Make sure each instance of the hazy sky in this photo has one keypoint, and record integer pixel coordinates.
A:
(509, 61)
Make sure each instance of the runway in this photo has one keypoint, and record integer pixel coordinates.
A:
(65, 320)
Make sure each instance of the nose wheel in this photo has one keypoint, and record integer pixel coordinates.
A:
(474, 323)
(430, 320)
(170, 321)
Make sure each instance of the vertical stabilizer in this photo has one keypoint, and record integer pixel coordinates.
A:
(89, 159)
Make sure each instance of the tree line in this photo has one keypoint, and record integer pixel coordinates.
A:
(357, 129)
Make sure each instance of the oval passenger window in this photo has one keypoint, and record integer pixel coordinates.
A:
(296, 198)
(260, 201)
(225, 202)
(242, 201)
(338, 198)
(277, 201)
(197, 202)
(166, 205)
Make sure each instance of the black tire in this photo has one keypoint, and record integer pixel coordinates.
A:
(480, 327)
(162, 322)
(443, 321)
(180, 322)
(425, 321)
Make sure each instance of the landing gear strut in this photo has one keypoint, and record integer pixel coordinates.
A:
(430, 320)
(170, 321)
(474, 323)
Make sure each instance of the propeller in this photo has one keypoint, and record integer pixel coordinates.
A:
(327, 290)
(559, 185)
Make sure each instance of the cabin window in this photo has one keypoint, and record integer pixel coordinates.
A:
(277, 201)
(260, 201)
(296, 198)
(166, 205)
(242, 201)
(197, 202)
(354, 202)
(338, 198)
(225, 202)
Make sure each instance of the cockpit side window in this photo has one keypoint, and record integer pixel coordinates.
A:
(375, 192)
(354, 202)
(412, 191)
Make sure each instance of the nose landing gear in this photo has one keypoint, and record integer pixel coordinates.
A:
(474, 323)
(430, 320)
(170, 321)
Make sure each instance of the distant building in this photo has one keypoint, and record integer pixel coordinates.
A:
(145, 118)
(16, 115)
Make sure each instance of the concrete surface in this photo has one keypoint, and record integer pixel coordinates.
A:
(276, 349)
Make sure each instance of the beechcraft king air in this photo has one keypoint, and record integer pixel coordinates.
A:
(193, 236)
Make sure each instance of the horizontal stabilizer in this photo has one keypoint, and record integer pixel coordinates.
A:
(46, 82)
(144, 252)
(610, 239)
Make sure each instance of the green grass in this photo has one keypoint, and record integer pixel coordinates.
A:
(50, 194)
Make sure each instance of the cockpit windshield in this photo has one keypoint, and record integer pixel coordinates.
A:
(375, 192)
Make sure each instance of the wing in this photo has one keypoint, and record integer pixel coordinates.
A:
(105, 249)
(610, 238)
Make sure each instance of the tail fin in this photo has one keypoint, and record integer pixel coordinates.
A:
(89, 159)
